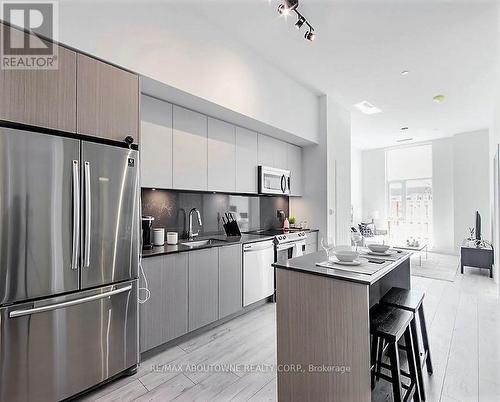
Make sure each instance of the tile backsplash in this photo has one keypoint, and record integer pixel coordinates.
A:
(170, 208)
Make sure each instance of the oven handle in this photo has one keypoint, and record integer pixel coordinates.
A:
(285, 246)
(20, 313)
(257, 247)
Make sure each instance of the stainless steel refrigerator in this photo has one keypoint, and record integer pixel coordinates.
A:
(69, 256)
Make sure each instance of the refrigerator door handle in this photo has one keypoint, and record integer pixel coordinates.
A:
(88, 209)
(35, 310)
(76, 216)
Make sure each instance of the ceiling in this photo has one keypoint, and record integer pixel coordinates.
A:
(449, 47)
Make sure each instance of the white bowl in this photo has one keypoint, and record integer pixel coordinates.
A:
(346, 255)
(379, 248)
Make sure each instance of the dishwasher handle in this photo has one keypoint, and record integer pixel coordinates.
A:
(258, 246)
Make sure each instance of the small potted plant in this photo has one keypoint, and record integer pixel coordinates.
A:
(292, 221)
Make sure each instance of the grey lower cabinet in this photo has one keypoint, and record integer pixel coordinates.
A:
(203, 287)
(230, 280)
(165, 315)
(188, 291)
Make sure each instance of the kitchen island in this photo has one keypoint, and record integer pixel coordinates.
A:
(323, 327)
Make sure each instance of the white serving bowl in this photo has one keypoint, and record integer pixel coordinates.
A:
(346, 255)
(379, 248)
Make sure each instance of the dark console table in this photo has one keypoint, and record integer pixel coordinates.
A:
(479, 256)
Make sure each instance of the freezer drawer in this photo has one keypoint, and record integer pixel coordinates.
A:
(54, 348)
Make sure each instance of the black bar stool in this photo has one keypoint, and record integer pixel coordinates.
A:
(411, 300)
(387, 326)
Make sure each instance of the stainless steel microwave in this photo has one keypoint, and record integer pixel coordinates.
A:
(273, 181)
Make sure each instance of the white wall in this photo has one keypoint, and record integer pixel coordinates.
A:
(461, 185)
(339, 148)
(356, 185)
(494, 141)
(323, 205)
(443, 196)
(170, 43)
(471, 183)
(374, 186)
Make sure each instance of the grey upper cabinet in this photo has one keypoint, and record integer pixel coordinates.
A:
(267, 147)
(203, 287)
(44, 98)
(246, 160)
(280, 154)
(272, 152)
(230, 280)
(156, 143)
(189, 149)
(221, 156)
(107, 100)
(295, 168)
(165, 315)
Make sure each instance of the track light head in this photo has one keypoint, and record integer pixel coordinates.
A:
(310, 35)
(291, 4)
(300, 22)
(282, 10)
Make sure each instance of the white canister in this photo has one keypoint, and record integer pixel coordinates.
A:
(158, 236)
(172, 238)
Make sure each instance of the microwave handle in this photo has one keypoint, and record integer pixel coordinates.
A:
(283, 184)
(288, 182)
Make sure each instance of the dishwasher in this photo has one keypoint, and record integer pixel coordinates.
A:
(258, 272)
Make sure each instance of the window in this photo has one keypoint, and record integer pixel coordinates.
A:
(409, 190)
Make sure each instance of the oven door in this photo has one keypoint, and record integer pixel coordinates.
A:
(273, 181)
(284, 252)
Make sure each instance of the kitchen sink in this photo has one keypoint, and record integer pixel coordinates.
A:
(201, 243)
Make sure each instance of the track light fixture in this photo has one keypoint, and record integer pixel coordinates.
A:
(292, 5)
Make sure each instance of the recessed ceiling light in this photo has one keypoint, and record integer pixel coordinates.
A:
(367, 108)
(404, 128)
(405, 72)
(439, 98)
(404, 140)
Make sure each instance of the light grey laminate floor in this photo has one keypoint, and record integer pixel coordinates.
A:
(464, 320)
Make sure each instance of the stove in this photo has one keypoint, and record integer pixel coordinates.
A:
(277, 232)
(288, 243)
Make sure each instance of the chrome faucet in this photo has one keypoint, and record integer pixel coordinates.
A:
(192, 235)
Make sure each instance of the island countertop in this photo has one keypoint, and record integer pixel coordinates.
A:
(307, 264)
(323, 320)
